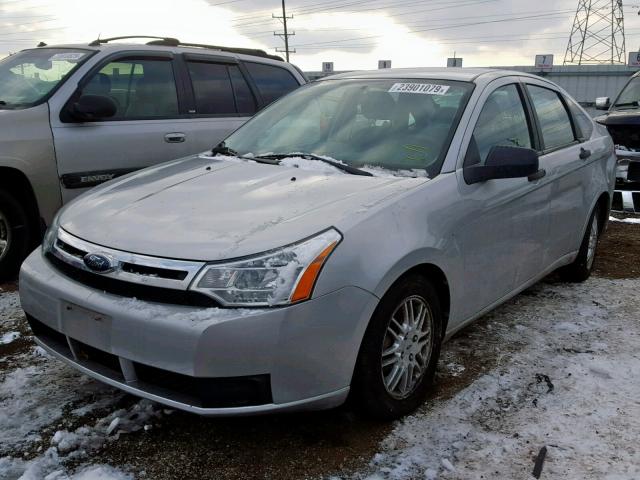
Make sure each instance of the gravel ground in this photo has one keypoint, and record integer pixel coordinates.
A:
(552, 368)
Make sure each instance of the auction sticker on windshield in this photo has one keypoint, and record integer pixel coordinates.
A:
(423, 88)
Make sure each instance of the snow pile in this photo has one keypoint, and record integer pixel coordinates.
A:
(378, 171)
(566, 379)
(9, 337)
(625, 220)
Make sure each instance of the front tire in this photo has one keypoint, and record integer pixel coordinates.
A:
(16, 235)
(581, 268)
(399, 353)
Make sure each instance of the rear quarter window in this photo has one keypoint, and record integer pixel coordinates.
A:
(272, 82)
(583, 122)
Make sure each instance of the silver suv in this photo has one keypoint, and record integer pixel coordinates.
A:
(74, 116)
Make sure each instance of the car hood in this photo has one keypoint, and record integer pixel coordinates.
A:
(201, 208)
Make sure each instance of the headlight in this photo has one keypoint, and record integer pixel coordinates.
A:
(279, 277)
(51, 235)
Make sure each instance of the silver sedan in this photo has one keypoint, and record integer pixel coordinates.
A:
(328, 247)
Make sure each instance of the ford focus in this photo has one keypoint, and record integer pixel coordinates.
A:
(328, 247)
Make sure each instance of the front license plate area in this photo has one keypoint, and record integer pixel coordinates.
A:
(86, 326)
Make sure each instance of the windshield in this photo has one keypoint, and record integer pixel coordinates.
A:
(630, 95)
(29, 76)
(388, 124)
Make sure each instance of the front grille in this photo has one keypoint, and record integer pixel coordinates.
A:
(132, 290)
(142, 270)
(203, 392)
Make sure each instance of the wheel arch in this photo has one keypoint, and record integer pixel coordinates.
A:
(17, 184)
(436, 275)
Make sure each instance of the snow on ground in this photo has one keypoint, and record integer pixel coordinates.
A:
(42, 400)
(625, 220)
(567, 379)
(557, 367)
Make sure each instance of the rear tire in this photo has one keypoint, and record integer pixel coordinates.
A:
(581, 268)
(397, 339)
(16, 235)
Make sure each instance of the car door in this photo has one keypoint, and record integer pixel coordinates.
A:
(505, 223)
(219, 97)
(565, 158)
(149, 126)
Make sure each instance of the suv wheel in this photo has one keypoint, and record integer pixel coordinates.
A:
(400, 350)
(580, 269)
(15, 235)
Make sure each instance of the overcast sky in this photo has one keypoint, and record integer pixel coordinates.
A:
(354, 34)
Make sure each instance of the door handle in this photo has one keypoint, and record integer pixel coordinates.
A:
(175, 137)
(537, 176)
(584, 154)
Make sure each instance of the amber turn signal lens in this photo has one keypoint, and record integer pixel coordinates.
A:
(308, 280)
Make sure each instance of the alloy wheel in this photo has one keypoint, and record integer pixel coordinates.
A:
(407, 347)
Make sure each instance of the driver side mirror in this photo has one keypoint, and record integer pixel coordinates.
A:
(504, 162)
(603, 103)
(90, 108)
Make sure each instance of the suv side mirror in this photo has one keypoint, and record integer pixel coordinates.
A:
(603, 103)
(90, 108)
(504, 162)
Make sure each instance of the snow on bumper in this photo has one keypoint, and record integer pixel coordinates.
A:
(305, 352)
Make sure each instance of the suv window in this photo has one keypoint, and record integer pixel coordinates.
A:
(502, 121)
(273, 82)
(553, 117)
(220, 89)
(140, 88)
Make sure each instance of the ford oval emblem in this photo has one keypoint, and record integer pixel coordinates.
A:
(98, 262)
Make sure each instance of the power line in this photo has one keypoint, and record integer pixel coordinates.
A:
(460, 25)
(286, 33)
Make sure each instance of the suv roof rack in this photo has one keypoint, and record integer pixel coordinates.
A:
(174, 42)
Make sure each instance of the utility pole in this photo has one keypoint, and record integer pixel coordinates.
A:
(597, 35)
(286, 33)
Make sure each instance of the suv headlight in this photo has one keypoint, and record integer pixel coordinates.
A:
(279, 277)
(51, 235)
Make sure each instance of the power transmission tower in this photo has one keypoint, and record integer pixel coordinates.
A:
(286, 33)
(597, 35)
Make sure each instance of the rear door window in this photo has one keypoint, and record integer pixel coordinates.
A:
(220, 89)
(272, 82)
(553, 117)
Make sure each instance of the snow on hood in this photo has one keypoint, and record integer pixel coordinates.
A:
(297, 160)
(215, 208)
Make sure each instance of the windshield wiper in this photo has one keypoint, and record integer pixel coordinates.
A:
(628, 104)
(222, 149)
(310, 156)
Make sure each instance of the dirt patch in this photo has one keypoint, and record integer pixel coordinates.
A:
(8, 287)
(619, 252)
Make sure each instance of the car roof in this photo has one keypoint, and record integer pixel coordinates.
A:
(475, 75)
(125, 46)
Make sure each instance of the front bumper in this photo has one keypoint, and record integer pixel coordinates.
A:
(626, 197)
(204, 360)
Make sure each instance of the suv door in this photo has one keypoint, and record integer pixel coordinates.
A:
(566, 166)
(148, 127)
(503, 234)
(219, 98)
